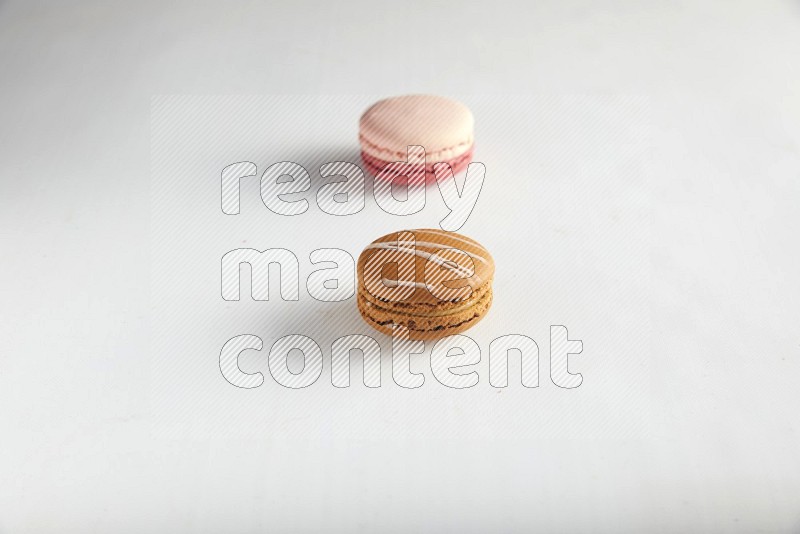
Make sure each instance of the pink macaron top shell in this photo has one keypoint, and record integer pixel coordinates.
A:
(442, 126)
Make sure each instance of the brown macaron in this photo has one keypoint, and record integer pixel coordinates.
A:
(434, 283)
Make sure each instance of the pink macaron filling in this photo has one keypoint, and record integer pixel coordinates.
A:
(458, 164)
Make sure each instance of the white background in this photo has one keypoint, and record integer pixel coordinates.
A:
(642, 187)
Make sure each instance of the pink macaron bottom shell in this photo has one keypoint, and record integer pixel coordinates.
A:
(458, 164)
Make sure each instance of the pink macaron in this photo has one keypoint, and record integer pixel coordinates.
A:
(443, 127)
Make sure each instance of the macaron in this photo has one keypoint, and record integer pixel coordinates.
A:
(435, 283)
(442, 126)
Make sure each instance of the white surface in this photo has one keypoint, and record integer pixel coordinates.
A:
(703, 438)
(562, 258)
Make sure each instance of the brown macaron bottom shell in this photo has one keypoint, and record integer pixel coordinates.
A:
(382, 317)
